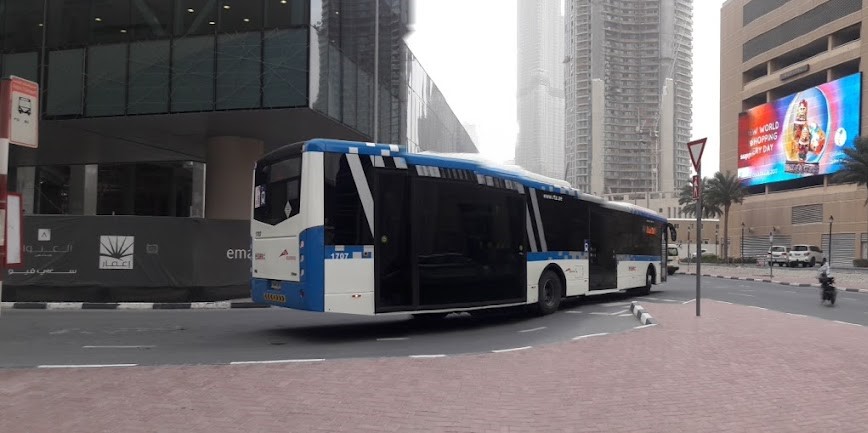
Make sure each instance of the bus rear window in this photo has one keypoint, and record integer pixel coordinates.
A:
(277, 191)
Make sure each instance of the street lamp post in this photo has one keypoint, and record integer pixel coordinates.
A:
(831, 219)
(742, 242)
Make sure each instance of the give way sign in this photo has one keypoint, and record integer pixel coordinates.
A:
(696, 147)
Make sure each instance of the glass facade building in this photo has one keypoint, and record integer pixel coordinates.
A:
(151, 106)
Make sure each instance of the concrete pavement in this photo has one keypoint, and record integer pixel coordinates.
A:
(734, 369)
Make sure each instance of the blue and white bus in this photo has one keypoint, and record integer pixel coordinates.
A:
(369, 229)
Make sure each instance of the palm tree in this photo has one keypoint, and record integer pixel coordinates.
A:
(725, 190)
(688, 204)
(855, 167)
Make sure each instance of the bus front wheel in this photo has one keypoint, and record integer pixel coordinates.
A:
(550, 289)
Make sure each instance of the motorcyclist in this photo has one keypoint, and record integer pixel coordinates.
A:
(825, 272)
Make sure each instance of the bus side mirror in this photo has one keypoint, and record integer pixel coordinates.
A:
(672, 234)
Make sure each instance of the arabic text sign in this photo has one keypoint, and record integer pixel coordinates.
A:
(20, 111)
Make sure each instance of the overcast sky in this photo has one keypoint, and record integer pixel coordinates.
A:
(469, 48)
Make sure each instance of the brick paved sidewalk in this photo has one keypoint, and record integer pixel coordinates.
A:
(845, 278)
(734, 369)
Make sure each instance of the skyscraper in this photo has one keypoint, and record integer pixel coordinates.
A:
(540, 145)
(628, 94)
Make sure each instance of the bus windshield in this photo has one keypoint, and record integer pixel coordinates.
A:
(277, 190)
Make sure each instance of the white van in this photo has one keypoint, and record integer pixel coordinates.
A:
(671, 260)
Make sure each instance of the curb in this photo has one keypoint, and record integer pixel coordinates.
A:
(220, 305)
(640, 313)
(783, 283)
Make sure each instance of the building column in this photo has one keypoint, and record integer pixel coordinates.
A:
(229, 177)
(197, 204)
(25, 180)
(598, 138)
(83, 189)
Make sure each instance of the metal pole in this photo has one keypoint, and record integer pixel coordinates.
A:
(376, 70)
(742, 243)
(771, 244)
(698, 236)
(831, 218)
(689, 229)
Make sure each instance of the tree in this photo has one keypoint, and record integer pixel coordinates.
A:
(688, 204)
(725, 190)
(854, 168)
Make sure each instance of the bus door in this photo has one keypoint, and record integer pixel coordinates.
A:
(392, 236)
(603, 265)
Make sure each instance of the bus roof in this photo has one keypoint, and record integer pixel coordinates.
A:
(476, 163)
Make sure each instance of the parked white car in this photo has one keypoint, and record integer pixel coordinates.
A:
(779, 255)
(805, 255)
(672, 260)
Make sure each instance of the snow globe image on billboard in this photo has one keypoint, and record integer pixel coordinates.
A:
(806, 129)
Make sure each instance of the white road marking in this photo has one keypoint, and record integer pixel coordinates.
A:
(393, 339)
(847, 323)
(723, 302)
(625, 315)
(534, 329)
(427, 356)
(797, 315)
(118, 347)
(653, 299)
(276, 361)
(86, 365)
(688, 301)
(590, 335)
(670, 300)
(514, 349)
(580, 311)
(615, 304)
(618, 312)
(598, 313)
(758, 308)
(645, 326)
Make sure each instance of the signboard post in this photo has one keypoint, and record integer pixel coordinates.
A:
(19, 125)
(696, 148)
(771, 263)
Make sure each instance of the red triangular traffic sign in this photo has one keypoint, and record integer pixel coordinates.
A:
(695, 148)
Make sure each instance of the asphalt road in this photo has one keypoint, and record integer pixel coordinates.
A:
(169, 337)
(849, 307)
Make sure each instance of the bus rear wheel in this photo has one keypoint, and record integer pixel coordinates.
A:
(550, 289)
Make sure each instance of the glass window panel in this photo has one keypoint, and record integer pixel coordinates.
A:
(285, 68)
(150, 19)
(193, 74)
(195, 17)
(65, 73)
(240, 16)
(111, 21)
(149, 77)
(106, 80)
(280, 14)
(238, 70)
(68, 23)
(52, 189)
(22, 30)
(22, 65)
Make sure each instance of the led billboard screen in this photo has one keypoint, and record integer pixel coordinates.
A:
(803, 134)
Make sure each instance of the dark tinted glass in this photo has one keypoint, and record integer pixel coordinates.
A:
(65, 82)
(22, 25)
(23, 65)
(277, 191)
(195, 17)
(69, 23)
(284, 68)
(281, 14)
(565, 221)
(345, 222)
(238, 70)
(106, 80)
(150, 19)
(240, 16)
(468, 242)
(111, 21)
(193, 74)
(149, 77)
(757, 8)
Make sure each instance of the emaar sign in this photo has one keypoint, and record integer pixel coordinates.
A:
(237, 254)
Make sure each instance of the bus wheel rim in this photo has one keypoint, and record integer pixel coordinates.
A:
(548, 293)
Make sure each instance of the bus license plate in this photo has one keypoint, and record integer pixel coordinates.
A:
(275, 285)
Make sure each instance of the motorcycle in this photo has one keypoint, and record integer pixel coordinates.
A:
(828, 292)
